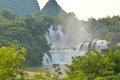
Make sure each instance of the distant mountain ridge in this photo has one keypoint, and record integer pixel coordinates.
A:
(28, 7)
(20, 7)
(52, 9)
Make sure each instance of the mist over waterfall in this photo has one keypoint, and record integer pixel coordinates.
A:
(69, 40)
(76, 32)
(66, 37)
(70, 34)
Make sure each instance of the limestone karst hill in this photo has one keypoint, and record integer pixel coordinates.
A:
(52, 8)
(20, 7)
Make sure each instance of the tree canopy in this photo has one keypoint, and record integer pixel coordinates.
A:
(28, 31)
(12, 62)
(95, 66)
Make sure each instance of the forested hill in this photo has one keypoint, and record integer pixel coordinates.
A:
(20, 7)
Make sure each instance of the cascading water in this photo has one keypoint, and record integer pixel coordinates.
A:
(55, 36)
(46, 59)
(118, 44)
(95, 44)
(60, 53)
(60, 56)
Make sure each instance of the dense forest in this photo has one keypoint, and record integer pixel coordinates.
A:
(106, 28)
(28, 31)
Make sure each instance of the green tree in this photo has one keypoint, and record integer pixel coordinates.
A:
(43, 75)
(6, 14)
(93, 64)
(12, 63)
(76, 75)
(114, 54)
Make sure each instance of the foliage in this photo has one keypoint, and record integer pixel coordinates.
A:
(28, 31)
(12, 63)
(106, 28)
(76, 75)
(6, 14)
(114, 54)
(42, 75)
(95, 66)
(100, 78)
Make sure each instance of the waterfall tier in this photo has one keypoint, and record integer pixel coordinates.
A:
(55, 36)
(59, 55)
(95, 44)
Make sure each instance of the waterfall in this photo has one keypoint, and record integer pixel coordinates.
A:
(46, 59)
(55, 35)
(95, 44)
(60, 53)
(118, 44)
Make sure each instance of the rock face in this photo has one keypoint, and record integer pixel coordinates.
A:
(20, 7)
(52, 9)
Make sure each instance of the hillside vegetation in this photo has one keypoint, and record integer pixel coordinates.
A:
(30, 31)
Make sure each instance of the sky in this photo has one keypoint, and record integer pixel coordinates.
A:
(85, 9)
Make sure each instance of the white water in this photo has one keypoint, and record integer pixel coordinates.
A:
(60, 53)
(55, 36)
(95, 44)
(118, 44)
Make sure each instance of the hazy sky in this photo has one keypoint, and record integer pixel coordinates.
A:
(85, 9)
